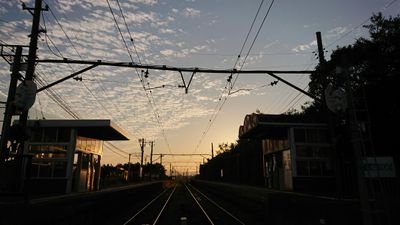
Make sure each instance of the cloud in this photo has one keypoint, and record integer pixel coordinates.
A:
(167, 31)
(336, 32)
(145, 2)
(3, 10)
(168, 52)
(271, 44)
(190, 12)
(304, 47)
(113, 92)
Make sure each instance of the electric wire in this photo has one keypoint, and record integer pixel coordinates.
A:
(120, 32)
(60, 54)
(141, 78)
(80, 56)
(220, 104)
(52, 94)
(252, 43)
(129, 32)
(114, 151)
(361, 24)
(248, 33)
(67, 108)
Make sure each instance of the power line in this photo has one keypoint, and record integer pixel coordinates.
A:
(119, 30)
(56, 98)
(248, 33)
(354, 28)
(75, 49)
(252, 43)
(53, 95)
(141, 78)
(119, 149)
(114, 151)
(220, 104)
(127, 28)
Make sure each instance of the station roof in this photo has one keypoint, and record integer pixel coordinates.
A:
(97, 129)
(276, 126)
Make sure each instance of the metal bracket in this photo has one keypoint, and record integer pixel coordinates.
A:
(190, 81)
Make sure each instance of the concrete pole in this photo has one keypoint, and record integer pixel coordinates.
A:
(141, 156)
(9, 104)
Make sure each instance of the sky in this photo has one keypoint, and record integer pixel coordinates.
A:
(182, 33)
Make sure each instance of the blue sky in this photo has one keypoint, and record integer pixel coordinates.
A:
(182, 33)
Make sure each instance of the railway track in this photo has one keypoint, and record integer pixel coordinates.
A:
(182, 204)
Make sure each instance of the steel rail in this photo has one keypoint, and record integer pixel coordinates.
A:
(201, 207)
(163, 208)
(145, 207)
(218, 206)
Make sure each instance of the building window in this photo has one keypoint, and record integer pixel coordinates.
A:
(63, 134)
(50, 135)
(48, 169)
(44, 151)
(312, 152)
(313, 166)
(311, 135)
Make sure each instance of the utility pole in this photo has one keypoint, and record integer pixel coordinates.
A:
(331, 119)
(151, 157)
(32, 53)
(161, 155)
(355, 137)
(321, 56)
(357, 148)
(170, 169)
(212, 150)
(9, 111)
(129, 167)
(142, 143)
(151, 152)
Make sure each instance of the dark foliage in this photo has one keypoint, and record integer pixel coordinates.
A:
(373, 70)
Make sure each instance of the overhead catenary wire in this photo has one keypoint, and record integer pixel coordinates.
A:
(57, 98)
(129, 32)
(141, 78)
(221, 104)
(80, 56)
(252, 43)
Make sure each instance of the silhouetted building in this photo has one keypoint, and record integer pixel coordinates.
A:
(296, 152)
(66, 154)
(282, 152)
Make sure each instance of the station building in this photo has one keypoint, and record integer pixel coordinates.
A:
(296, 152)
(66, 154)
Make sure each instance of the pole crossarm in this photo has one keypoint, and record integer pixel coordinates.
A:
(171, 68)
